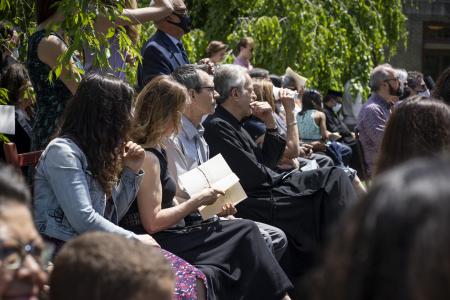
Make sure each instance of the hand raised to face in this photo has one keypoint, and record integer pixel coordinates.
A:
(133, 156)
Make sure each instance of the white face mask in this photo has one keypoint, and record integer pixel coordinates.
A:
(15, 54)
(337, 108)
(425, 93)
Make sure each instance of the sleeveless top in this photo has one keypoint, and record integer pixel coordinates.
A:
(131, 221)
(307, 127)
(51, 97)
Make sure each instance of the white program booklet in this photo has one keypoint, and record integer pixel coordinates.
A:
(310, 165)
(7, 119)
(217, 174)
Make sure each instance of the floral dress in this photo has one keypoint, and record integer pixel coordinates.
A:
(51, 97)
(186, 276)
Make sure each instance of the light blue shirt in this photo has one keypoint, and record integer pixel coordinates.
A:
(174, 40)
(188, 149)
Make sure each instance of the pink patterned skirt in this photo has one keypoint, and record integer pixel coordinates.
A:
(186, 276)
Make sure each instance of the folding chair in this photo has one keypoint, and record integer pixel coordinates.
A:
(363, 175)
(20, 160)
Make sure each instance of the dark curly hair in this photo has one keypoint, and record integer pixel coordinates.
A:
(97, 119)
(442, 88)
(417, 127)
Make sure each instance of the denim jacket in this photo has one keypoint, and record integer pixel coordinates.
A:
(67, 199)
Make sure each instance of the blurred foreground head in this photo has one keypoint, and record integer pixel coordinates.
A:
(417, 127)
(395, 244)
(22, 250)
(105, 266)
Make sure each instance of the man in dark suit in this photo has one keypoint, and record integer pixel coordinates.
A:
(164, 51)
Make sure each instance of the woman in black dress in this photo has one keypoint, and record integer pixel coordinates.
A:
(232, 254)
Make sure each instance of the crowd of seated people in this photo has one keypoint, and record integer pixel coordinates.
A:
(109, 217)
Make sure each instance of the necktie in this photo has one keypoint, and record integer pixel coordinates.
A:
(183, 52)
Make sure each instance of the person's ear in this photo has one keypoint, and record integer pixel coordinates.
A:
(235, 93)
(192, 93)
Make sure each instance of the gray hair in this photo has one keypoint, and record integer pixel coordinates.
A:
(379, 74)
(402, 75)
(188, 75)
(227, 77)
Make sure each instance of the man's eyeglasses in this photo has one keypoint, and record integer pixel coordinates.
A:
(209, 88)
(390, 79)
(12, 257)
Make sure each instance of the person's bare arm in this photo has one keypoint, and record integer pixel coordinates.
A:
(157, 10)
(292, 149)
(49, 49)
(153, 217)
(323, 125)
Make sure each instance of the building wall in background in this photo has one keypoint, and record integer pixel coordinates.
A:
(428, 48)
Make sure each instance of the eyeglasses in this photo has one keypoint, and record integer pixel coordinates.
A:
(12, 257)
(390, 79)
(210, 89)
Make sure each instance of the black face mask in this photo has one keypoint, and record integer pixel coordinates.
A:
(406, 93)
(185, 22)
(398, 92)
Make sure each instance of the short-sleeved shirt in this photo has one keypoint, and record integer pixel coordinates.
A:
(371, 123)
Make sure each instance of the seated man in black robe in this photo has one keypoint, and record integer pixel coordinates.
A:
(302, 204)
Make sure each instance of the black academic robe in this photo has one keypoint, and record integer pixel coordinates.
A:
(302, 204)
(334, 124)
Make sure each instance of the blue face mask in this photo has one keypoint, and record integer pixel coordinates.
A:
(185, 22)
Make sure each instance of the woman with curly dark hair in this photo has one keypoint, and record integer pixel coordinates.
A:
(442, 88)
(418, 127)
(89, 174)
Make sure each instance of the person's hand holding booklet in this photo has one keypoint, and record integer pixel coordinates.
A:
(215, 174)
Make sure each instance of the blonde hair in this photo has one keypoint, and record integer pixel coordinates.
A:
(158, 105)
(264, 91)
